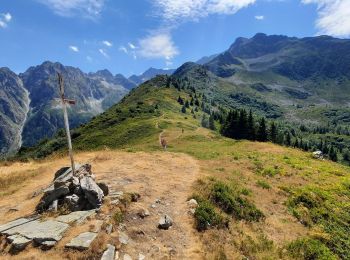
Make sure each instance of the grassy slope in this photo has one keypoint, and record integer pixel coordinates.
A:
(299, 196)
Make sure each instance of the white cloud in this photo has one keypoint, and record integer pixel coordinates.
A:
(123, 49)
(333, 16)
(193, 9)
(107, 43)
(5, 19)
(158, 46)
(259, 17)
(104, 53)
(131, 46)
(74, 48)
(85, 8)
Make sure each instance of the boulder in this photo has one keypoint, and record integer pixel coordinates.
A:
(109, 254)
(18, 242)
(74, 202)
(104, 187)
(83, 241)
(50, 196)
(165, 222)
(92, 191)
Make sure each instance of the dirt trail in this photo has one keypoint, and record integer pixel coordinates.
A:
(163, 176)
(164, 182)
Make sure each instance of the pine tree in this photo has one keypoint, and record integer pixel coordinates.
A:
(183, 109)
(333, 154)
(204, 121)
(191, 102)
(288, 139)
(251, 127)
(180, 100)
(211, 122)
(273, 132)
(196, 102)
(262, 133)
(187, 105)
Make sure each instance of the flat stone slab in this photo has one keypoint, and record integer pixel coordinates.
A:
(76, 216)
(15, 223)
(109, 254)
(83, 241)
(49, 230)
(18, 242)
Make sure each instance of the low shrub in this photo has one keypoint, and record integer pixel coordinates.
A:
(309, 249)
(206, 216)
(230, 201)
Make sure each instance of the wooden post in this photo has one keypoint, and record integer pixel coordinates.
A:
(66, 122)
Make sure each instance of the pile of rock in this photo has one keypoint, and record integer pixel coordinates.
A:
(77, 191)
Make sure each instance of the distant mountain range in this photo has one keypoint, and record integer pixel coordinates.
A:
(303, 80)
(30, 111)
(149, 74)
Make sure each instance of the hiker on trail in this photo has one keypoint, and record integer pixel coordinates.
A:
(163, 143)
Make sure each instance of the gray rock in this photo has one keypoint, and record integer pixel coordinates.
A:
(123, 238)
(109, 254)
(73, 202)
(92, 191)
(18, 242)
(53, 206)
(15, 223)
(50, 196)
(49, 230)
(127, 257)
(143, 213)
(47, 245)
(83, 241)
(165, 222)
(104, 187)
(77, 216)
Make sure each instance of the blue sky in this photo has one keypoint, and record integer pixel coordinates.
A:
(129, 36)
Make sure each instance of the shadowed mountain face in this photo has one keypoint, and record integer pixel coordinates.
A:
(94, 93)
(14, 104)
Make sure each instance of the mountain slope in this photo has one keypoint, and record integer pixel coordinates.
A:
(93, 95)
(261, 200)
(14, 105)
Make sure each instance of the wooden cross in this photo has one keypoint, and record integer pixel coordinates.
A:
(65, 115)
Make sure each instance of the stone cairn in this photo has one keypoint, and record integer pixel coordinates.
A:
(76, 192)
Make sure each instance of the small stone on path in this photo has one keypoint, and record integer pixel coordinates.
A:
(165, 222)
